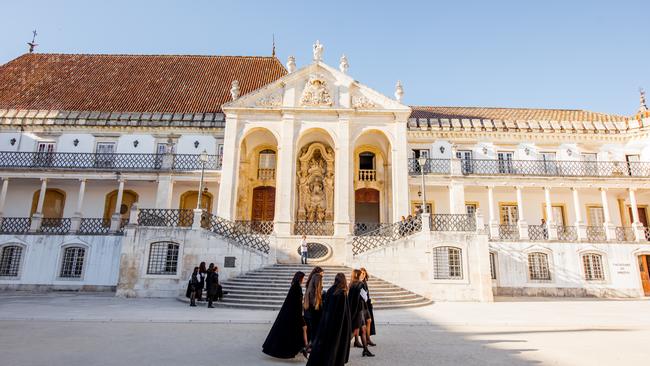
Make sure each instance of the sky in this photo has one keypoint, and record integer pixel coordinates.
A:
(591, 55)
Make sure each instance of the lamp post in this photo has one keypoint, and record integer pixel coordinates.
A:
(203, 158)
(422, 161)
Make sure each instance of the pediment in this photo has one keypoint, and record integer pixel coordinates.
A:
(316, 87)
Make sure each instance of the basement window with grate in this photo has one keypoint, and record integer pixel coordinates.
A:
(163, 258)
(447, 263)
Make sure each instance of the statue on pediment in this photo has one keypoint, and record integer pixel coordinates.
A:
(316, 93)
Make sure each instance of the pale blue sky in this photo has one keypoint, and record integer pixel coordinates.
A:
(549, 54)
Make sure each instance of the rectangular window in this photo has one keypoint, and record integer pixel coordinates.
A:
(593, 266)
(10, 260)
(470, 208)
(163, 258)
(493, 265)
(447, 263)
(44, 154)
(596, 216)
(466, 162)
(505, 162)
(548, 163)
(508, 214)
(538, 267)
(161, 148)
(590, 164)
(72, 263)
(419, 153)
(416, 208)
(105, 155)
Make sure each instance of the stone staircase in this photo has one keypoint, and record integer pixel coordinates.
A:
(266, 288)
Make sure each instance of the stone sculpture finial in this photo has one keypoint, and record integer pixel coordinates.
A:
(344, 65)
(291, 64)
(399, 91)
(234, 89)
(318, 51)
(642, 105)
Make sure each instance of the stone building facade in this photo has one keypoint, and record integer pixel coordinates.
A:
(122, 172)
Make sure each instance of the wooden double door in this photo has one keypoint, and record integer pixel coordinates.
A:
(263, 208)
(644, 269)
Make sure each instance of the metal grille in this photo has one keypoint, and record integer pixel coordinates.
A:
(94, 226)
(315, 250)
(55, 226)
(73, 262)
(321, 228)
(596, 233)
(624, 234)
(192, 162)
(15, 225)
(432, 166)
(229, 262)
(538, 266)
(593, 266)
(493, 265)
(447, 263)
(165, 217)
(508, 232)
(557, 168)
(385, 235)
(260, 227)
(237, 233)
(364, 227)
(163, 258)
(10, 260)
(537, 232)
(452, 222)
(567, 233)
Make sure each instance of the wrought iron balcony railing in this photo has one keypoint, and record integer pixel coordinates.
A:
(385, 235)
(165, 217)
(319, 228)
(596, 233)
(567, 233)
(364, 227)
(432, 166)
(624, 234)
(555, 168)
(238, 232)
(452, 222)
(537, 232)
(508, 232)
(101, 161)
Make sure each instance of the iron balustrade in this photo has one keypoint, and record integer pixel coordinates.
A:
(432, 166)
(508, 232)
(319, 228)
(624, 234)
(106, 161)
(94, 226)
(567, 233)
(367, 175)
(596, 233)
(237, 233)
(555, 168)
(57, 226)
(385, 235)
(15, 225)
(452, 222)
(537, 232)
(646, 233)
(364, 227)
(260, 227)
(165, 217)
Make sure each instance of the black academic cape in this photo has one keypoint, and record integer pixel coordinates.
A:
(286, 339)
(357, 305)
(369, 307)
(331, 347)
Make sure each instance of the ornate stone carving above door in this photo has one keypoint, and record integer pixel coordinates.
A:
(316, 93)
(316, 183)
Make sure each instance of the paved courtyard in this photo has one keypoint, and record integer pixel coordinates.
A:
(71, 329)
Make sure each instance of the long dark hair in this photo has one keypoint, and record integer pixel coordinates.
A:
(315, 270)
(314, 292)
(341, 283)
(297, 278)
(202, 267)
(196, 270)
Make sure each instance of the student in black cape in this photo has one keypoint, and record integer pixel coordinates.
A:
(212, 285)
(288, 335)
(193, 286)
(370, 323)
(203, 272)
(358, 311)
(331, 347)
(313, 302)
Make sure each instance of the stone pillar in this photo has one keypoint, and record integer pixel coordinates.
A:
(196, 224)
(399, 171)
(75, 220)
(3, 198)
(457, 198)
(610, 229)
(492, 214)
(343, 178)
(229, 170)
(116, 219)
(37, 217)
(551, 225)
(426, 224)
(285, 178)
(581, 226)
(521, 221)
(164, 192)
(637, 226)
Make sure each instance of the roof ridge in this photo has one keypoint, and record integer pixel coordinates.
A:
(521, 109)
(143, 55)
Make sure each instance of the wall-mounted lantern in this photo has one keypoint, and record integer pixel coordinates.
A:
(75, 142)
(12, 141)
(196, 144)
(484, 150)
(442, 149)
(569, 152)
(527, 151)
(136, 143)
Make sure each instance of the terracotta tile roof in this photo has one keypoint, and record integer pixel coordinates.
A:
(513, 114)
(130, 83)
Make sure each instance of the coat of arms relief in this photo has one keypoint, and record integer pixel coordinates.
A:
(316, 93)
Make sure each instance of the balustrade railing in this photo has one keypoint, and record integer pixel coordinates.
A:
(165, 217)
(556, 168)
(508, 232)
(624, 234)
(266, 174)
(596, 233)
(385, 235)
(367, 175)
(94, 226)
(313, 228)
(567, 233)
(452, 222)
(241, 234)
(364, 227)
(58, 226)
(260, 227)
(106, 161)
(432, 166)
(15, 225)
(537, 232)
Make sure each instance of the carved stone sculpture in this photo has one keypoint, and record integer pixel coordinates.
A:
(317, 51)
(234, 89)
(361, 102)
(273, 100)
(344, 65)
(316, 92)
(291, 64)
(399, 91)
(315, 183)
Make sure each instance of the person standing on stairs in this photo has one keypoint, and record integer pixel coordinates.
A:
(370, 322)
(304, 249)
(288, 335)
(357, 298)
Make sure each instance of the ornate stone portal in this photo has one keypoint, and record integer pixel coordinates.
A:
(315, 183)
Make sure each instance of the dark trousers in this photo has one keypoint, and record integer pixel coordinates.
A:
(303, 258)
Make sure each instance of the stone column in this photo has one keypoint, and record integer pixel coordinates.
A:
(343, 178)
(229, 170)
(399, 171)
(492, 214)
(285, 179)
(581, 226)
(610, 229)
(116, 219)
(551, 225)
(75, 220)
(164, 192)
(3, 198)
(37, 217)
(521, 221)
(457, 198)
(637, 226)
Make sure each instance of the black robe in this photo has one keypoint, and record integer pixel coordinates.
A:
(286, 339)
(357, 305)
(369, 307)
(331, 347)
(213, 288)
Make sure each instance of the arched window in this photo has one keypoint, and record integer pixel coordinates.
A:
(593, 267)
(163, 258)
(129, 197)
(52, 204)
(10, 258)
(538, 268)
(72, 262)
(447, 263)
(266, 165)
